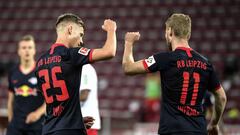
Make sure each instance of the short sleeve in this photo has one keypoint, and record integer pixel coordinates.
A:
(10, 84)
(81, 56)
(156, 62)
(88, 78)
(214, 83)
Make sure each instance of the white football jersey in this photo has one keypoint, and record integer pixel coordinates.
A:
(90, 107)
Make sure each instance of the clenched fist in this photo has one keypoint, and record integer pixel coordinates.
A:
(132, 36)
(213, 130)
(109, 25)
(88, 121)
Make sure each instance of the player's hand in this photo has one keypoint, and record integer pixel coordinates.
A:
(32, 117)
(109, 25)
(213, 130)
(88, 121)
(132, 36)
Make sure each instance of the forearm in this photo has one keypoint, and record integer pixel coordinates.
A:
(108, 51)
(219, 106)
(127, 56)
(10, 110)
(111, 43)
(41, 110)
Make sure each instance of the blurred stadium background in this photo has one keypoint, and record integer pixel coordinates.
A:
(215, 33)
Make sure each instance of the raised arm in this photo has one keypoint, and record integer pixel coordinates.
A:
(219, 105)
(131, 67)
(108, 51)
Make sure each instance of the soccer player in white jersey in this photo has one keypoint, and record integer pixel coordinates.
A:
(89, 97)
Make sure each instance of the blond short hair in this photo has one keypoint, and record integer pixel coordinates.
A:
(180, 24)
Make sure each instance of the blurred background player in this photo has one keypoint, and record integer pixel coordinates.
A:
(152, 97)
(58, 72)
(89, 97)
(25, 103)
(185, 77)
(215, 34)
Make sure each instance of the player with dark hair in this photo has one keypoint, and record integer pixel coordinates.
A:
(59, 71)
(25, 104)
(185, 77)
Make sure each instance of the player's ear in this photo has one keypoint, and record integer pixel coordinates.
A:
(69, 29)
(170, 32)
(34, 51)
(18, 50)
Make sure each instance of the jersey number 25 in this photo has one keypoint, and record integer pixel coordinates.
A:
(56, 84)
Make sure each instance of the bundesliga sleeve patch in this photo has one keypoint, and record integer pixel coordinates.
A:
(150, 61)
(84, 51)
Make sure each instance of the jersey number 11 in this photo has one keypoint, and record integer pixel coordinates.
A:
(186, 79)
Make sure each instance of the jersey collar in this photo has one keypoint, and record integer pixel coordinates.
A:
(54, 46)
(187, 50)
(30, 71)
(184, 48)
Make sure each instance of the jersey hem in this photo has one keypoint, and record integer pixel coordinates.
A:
(187, 131)
(52, 131)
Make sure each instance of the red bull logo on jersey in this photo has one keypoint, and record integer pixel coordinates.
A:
(25, 91)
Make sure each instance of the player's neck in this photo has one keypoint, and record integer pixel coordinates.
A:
(180, 43)
(27, 66)
(62, 40)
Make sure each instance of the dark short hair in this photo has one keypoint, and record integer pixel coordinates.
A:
(69, 17)
(27, 38)
(180, 24)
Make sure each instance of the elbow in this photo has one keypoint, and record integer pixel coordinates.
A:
(110, 54)
(127, 70)
(224, 99)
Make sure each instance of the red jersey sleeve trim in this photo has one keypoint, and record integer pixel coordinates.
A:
(218, 87)
(187, 50)
(145, 65)
(90, 55)
(54, 46)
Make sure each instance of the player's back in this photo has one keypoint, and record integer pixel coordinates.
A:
(58, 72)
(185, 77)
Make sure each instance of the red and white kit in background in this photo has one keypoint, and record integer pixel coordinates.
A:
(90, 107)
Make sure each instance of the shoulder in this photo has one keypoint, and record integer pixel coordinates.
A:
(200, 55)
(167, 54)
(43, 55)
(205, 59)
(14, 68)
(80, 50)
(162, 56)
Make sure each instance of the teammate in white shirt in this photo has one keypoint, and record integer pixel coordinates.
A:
(89, 97)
